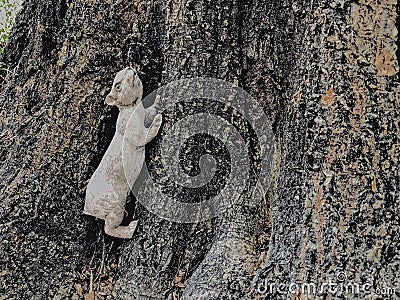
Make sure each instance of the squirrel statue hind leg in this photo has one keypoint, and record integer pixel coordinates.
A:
(112, 221)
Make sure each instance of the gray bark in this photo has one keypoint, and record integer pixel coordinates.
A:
(326, 73)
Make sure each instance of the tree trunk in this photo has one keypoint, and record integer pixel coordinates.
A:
(325, 72)
(338, 192)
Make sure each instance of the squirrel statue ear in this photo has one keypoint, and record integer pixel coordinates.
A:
(110, 184)
(127, 89)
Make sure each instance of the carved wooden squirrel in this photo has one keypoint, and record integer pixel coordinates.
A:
(110, 184)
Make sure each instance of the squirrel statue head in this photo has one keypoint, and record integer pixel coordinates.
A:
(127, 89)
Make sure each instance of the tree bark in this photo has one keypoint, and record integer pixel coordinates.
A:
(338, 189)
(61, 58)
(325, 72)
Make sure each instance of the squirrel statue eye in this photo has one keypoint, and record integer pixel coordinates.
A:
(118, 86)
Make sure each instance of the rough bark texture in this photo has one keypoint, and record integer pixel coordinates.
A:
(326, 72)
(54, 130)
(338, 194)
